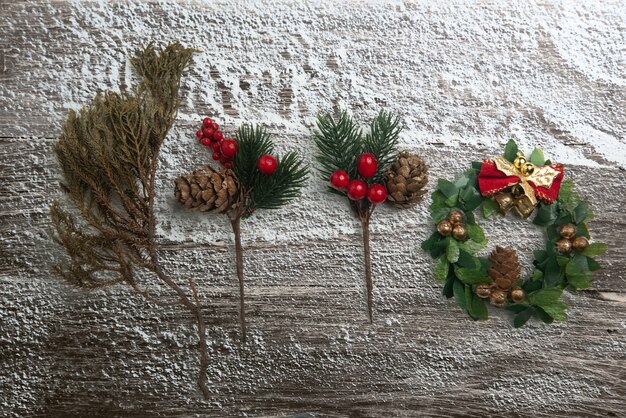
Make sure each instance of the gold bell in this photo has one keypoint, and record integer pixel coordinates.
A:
(505, 201)
(519, 162)
(517, 191)
(528, 169)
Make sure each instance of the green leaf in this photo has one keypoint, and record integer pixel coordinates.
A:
(477, 165)
(475, 305)
(459, 294)
(427, 244)
(447, 188)
(567, 196)
(441, 269)
(556, 310)
(577, 276)
(523, 317)
(510, 150)
(543, 316)
(440, 214)
(452, 250)
(471, 246)
(489, 207)
(545, 297)
(471, 276)
(537, 157)
(470, 198)
(476, 233)
(552, 273)
(467, 260)
(448, 290)
(580, 212)
(595, 249)
(593, 264)
(537, 275)
(545, 215)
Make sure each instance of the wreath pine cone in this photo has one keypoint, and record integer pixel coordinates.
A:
(505, 267)
(208, 189)
(406, 179)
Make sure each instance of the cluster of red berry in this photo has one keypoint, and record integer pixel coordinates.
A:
(357, 189)
(224, 149)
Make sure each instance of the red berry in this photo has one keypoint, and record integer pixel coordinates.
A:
(229, 147)
(205, 141)
(215, 146)
(366, 165)
(207, 122)
(377, 193)
(199, 133)
(215, 126)
(339, 179)
(357, 189)
(224, 159)
(216, 156)
(218, 136)
(228, 164)
(267, 164)
(207, 132)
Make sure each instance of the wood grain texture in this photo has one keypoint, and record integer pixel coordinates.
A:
(464, 76)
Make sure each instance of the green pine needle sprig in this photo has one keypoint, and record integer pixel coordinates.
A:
(266, 191)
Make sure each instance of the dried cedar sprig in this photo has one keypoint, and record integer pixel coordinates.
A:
(108, 155)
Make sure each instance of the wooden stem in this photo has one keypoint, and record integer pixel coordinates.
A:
(236, 223)
(365, 224)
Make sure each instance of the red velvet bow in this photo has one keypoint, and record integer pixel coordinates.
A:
(544, 182)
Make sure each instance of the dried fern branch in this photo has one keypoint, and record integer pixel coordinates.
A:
(108, 154)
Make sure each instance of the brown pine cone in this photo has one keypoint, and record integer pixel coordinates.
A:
(505, 267)
(207, 189)
(406, 179)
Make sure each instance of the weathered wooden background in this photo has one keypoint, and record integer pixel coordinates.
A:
(463, 75)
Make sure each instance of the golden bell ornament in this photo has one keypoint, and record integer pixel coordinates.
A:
(517, 295)
(517, 191)
(498, 298)
(524, 207)
(580, 243)
(567, 231)
(483, 291)
(444, 227)
(519, 162)
(455, 217)
(459, 232)
(505, 201)
(564, 246)
(528, 169)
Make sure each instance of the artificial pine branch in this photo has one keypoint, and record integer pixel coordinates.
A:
(341, 144)
(108, 155)
(256, 189)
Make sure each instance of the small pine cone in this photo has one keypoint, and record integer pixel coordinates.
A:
(505, 267)
(207, 189)
(406, 179)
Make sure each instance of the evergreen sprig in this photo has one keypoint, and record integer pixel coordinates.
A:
(340, 142)
(108, 154)
(266, 191)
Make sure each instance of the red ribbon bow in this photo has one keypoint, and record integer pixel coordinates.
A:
(544, 183)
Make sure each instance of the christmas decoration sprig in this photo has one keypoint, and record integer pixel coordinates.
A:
(530, 186)
(368, 170)
(108, 154)
(251, 178)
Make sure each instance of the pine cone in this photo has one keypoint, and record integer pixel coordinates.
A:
(207, 189)
(406, 179)
(505, 267)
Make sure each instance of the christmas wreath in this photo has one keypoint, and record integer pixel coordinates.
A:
(529, 186)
